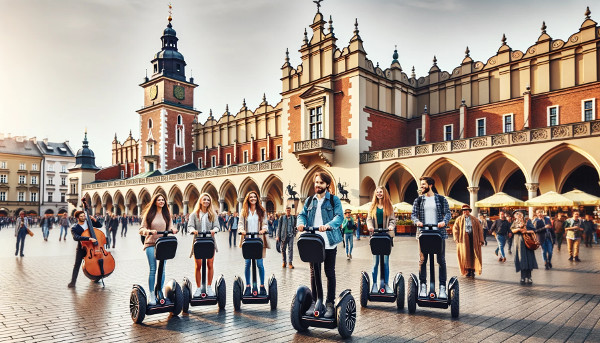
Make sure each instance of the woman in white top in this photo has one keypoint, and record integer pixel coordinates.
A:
(203, 219)
(253, 219)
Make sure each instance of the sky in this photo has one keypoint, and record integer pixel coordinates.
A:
(68, 65)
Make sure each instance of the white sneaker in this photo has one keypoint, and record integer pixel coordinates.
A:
(388, 289)
(152, 300)
(374, 289)
(423, 292)
(209, 291)
(198, 292)
(443, 294)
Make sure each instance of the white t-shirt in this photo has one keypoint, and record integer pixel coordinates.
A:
(430, 211)
(252, 222)
(318, 221)
(84, 225)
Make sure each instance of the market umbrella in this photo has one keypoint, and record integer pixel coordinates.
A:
(582, 198)
(364, 208)
(403, 207)
(550, 199)
(500, 199)
(454, 204)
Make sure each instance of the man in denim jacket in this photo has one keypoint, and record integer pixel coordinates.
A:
(323, 210)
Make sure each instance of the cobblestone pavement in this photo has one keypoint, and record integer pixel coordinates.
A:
(562, 305)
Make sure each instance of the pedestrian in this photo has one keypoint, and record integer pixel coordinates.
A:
(232, 226)
(203, 219)
(559, 229)
(64, 226)
(113, 228)
(324, 211)
(359, 223)
(348, 227)
(221, 222)
(254, 219)
(484, 226)
(574, 231)
(107, 218)
(589, 228)
(124, 222)
(270, 225)
(78, 228)
(525, 260)
(511, 236)
(381, 216)
(286, 232)
(22, 225)
(46, 224)
(545, 232)
(155, 217)
(468, 236)
(431, 209)
(501, 229)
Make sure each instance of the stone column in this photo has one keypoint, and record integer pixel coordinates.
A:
(240, 204)
(171, 206)
(185, 206)
(221, 205)
(263, 202)
(103, 210)
(139, 208)
(532, 189)
(127, 208)
(473, 199)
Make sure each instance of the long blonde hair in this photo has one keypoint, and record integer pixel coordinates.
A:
(259, 209)
(388, 209)
(210, 211)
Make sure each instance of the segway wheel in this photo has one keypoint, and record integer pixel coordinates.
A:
(412, 296)
(346, 315)
(400, 294)
(454, 301)
(137, 306)
(186, 300)
(364, 291)
(237, 296)
(222, 295)
(296, 316)
(273, 294)
(177, 300)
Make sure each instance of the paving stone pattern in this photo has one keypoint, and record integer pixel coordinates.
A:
(562, 305)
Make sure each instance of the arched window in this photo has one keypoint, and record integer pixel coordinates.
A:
(149, 123)
(179, 120)
(178, 137)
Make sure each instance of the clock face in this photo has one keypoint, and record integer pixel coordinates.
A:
(153, 92)
(179, 92)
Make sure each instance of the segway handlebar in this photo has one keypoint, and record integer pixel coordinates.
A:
(251, 234)
(204, 234)
(381, 230)
(313, 229)
(430, 226)
(164, 233)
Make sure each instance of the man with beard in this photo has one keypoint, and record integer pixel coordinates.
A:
(431, 209)
(323, 210)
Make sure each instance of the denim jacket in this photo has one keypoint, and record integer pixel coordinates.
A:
(331, 216)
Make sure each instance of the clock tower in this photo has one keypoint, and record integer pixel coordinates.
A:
(168, 113)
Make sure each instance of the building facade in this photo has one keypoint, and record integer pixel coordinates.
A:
(522, 122)
(58, 158)
(83, 172)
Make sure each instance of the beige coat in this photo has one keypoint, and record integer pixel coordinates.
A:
(194, 224)
(389, 222)
(463, 246)
(243, 224)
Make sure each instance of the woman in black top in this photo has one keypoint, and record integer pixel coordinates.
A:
(524, 258)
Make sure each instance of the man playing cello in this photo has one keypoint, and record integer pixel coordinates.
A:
(76, 231)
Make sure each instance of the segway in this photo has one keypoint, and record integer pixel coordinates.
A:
(381, 245)
(204, 248)
(170, 299)
(252, 249)
(430, 242)
(311, 247)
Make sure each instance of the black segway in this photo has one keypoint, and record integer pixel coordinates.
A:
(311, 247)
(170, 299)
(381, 245)
(252, 249)
(431, 243)
(204, 248)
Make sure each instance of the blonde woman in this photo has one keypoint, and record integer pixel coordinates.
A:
(381, 216)
(253, 219)
(203, 219)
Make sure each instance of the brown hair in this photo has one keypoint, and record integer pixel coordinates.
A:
(324, 177)
(150, 211)
(77, 213)
(259, 209)
(430, 181)
(388, 209)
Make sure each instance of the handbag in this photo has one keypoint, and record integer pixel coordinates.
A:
(531, 240)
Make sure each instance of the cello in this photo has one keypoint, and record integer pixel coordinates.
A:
(98, 263)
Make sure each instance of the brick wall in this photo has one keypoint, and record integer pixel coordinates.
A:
(493, 115)
(386, 131)
(294, 124)
(437, 123)
(109, 173)
(342, 113)
(569, 104)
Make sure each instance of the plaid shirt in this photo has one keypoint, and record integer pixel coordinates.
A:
(443, 212)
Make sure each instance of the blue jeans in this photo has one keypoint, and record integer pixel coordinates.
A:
(45, 231)
(357, 231)
(21, 240)
(65, 229)
(261, 271)
(501, 243)
(349, 240)
(386, 268)
(152, 265)
(547, 250)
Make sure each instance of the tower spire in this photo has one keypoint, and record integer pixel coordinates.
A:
(170, 13)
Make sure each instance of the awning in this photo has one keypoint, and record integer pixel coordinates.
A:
(500, 199)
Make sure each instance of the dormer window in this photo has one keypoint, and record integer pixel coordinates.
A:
(178, 67)
(155, 68)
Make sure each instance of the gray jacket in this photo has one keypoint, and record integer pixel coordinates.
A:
(282, 228)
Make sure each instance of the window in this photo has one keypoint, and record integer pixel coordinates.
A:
(448, 132)
(245, 156)
(21, 196)
(3, 178)
(178, 67)
(213, 161)
(200, 164)
(33, 197)
(22, 166)
(279, 152)
(122, 175)
(507, 120)
(263, 154)
(419, 136)
(149, 123)
(588, 110)
(552, 115)
(73, 188)
(228, 159)
(150, 149)
(50, 167)
(480, 127)
(2, 196)
(179, 121)
(50, 181)
(63, 197)
(316, 122)
(155, 68)
(63, 169)
(49, 196)
(21, 179)
(3, 165)
(178, 135)
(34, 180)
(34, 166)
(63, 180)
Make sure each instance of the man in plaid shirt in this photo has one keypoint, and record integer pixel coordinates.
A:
(431, 209)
